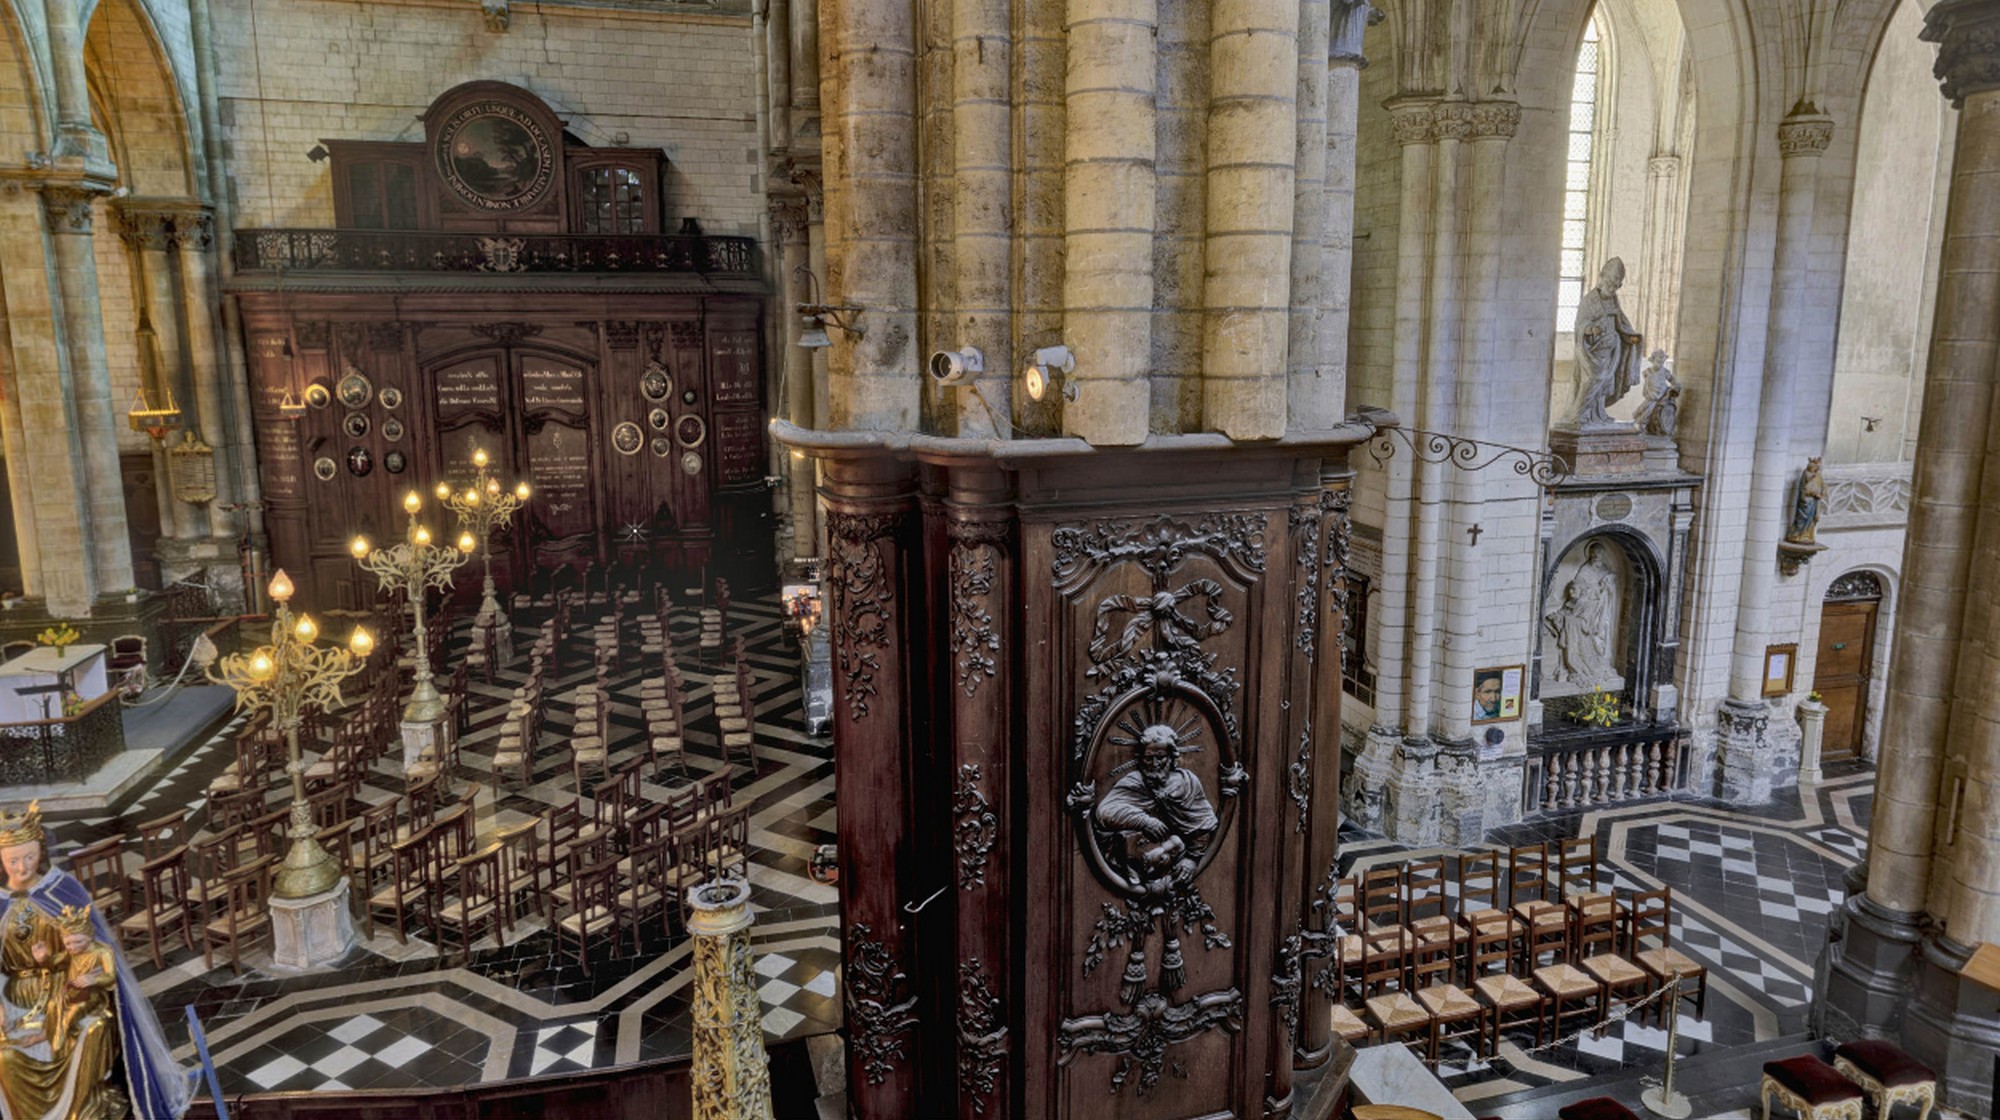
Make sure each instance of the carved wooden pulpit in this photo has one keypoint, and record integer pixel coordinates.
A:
(1087, 725)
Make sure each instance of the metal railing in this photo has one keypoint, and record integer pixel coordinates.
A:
(357, 250)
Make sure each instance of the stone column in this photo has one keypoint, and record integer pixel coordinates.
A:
(788, 225)
(871, 133)
(147, 232)
(1436, 411)
(1661, 282)
(732, 1075)
(1252, 160)
(1305, 378)
(1325, 402)
(95, 441)
(1108, 216)
(982, 73)
(1410, 121)
(79, 145)
(1746, 763)
(1882, 954)
(194, 243)
(778, 71)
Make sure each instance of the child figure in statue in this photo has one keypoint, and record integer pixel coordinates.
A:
(81, 1041)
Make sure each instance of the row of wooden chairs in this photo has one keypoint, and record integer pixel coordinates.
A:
(1553, 947)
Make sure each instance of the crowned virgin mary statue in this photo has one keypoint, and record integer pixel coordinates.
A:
(79, 1040)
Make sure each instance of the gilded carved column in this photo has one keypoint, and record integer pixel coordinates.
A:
(731, 1074)
(70, 210)
(980, 577)
(870, 590)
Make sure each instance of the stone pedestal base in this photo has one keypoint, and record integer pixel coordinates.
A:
(1743, 753)
(503, 630)
(1619, 449)
(1368, 782)
(1812, 728)
(1412, 808)
(313, 931)
(421, 739)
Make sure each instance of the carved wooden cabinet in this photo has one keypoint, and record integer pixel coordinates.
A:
(1084, 812)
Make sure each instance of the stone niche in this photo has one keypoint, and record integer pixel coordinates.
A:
(1614, 553)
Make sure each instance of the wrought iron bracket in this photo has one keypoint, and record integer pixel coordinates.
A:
(1465, 453)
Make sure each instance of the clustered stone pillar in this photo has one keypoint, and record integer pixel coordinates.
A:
(88, 386)
(1747, 753)
(1932, 882)
(1252, 141)
(982, 208)
(1108, 213)
(868, 64)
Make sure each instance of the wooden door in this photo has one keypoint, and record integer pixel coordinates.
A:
(1846, 655)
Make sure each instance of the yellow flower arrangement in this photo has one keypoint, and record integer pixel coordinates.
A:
(61, 636)
(1598, 709)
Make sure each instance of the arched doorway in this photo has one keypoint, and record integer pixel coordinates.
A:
(1846, 660)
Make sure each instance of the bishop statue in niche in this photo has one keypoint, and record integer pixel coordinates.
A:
(1155, 822)
(1580, 627)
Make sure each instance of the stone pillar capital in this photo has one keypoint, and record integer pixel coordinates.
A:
(1495, 120)
(788, 217)
(144, 229)
(194, 228)
(808, 179)
(1350, 19)
(1805, 131)
(71, 207)
(1452, 120)
(1967, 33)
(1412, 120)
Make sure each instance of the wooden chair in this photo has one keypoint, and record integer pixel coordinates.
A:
(615, 799)
(100, 867)
(729, 843)
(409, 881)
(246, 914)
(210, 860)
(664, 735)
(473, 901)
(739, 731)
(157, 837)
(1564, 984)
(1505, 994)
(1385, 992)
(372, 856)
(1652, 917)
(715, 793)
(1426, 908)
(265, 835)
(1576, 878)
(683, 807)
(1434, 964)
(589, 849)
(1381, 904)
(1618, 979)
(1533, 902)
(523, 871)
(648, 890)
(165, 904)
(592, 913)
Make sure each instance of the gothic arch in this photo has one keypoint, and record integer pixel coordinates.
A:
(137, 102)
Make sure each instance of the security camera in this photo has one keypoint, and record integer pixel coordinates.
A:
(956, 367)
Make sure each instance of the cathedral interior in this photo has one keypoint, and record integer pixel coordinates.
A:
(1275, 559)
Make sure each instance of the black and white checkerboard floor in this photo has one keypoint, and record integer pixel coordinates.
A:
(395, 1016)
(1753, 891)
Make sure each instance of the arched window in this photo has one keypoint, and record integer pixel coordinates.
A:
(1577, 177)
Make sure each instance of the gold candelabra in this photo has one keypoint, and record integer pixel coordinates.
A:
(483, 507)
(283, 677)
(415, 567)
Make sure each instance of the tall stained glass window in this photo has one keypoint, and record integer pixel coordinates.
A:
(1576, 177)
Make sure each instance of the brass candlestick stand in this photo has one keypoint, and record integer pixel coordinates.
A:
(283, 677)
(483, 507)
(415, 567)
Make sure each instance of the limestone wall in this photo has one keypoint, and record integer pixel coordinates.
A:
(296, 72)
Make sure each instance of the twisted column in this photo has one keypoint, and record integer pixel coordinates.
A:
(732, 1075)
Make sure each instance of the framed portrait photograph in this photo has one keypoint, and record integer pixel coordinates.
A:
(1496, 693)
(1779, 661)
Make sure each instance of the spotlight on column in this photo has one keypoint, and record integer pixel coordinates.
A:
(1049, 368)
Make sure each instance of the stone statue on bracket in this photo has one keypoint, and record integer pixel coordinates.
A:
(1581, 625)
(1806, 503)
(1660, 413)
(1607, 351)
